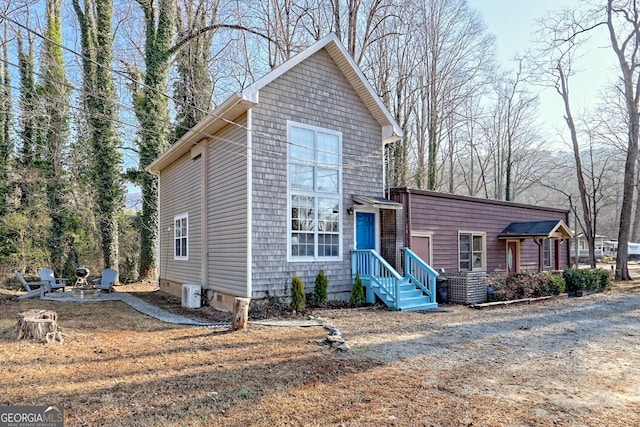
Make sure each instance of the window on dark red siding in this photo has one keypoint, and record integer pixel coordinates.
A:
(471, 250)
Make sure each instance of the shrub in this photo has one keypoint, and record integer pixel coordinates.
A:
(320, 289)
(523, 285)
(584, 279)
(603, 278)
(357, 292)
(298, 297)
(556, 284)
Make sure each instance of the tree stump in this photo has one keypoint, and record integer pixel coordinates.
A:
(240, 314)
(39, 325)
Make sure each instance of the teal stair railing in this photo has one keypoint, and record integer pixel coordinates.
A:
(415, 290)
(420, 273)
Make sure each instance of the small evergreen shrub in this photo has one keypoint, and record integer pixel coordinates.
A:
(320, 289)
(298, 297)
(357, 291)
(603, 278)
(556, 284)
(584, 279)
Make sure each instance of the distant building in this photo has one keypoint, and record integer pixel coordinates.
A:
(610, 249)
(583, 247)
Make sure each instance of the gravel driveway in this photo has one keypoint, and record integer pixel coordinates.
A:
(566, 361)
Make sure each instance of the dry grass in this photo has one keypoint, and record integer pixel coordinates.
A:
(118, 367)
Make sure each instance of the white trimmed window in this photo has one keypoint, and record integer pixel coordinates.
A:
(181, 237)
(471, 250)
(547, 252)
(315, 192)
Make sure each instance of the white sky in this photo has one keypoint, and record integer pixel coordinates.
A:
(512, 22)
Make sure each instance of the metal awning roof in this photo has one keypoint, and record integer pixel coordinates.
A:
(376, 202)
(553, 229)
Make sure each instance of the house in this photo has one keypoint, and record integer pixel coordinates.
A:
(286, 178)
(610, 249)
(467, 238)
(580, 242)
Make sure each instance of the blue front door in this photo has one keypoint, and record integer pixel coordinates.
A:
(365, 230)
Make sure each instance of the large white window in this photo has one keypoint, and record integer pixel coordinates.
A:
(471, 251)
(181, 237)
(314, 192)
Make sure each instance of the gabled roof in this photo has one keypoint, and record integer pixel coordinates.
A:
(238, 103)
(552, 229)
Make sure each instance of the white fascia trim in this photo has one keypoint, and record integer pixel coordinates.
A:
(391, 132)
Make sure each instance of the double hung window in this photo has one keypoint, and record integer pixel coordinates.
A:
(181, 237)
(471, 250)
(314, 192)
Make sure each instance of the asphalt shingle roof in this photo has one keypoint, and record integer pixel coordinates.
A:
(530, 228)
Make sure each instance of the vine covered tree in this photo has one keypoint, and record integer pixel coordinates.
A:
(54, 94)
(101, 111)
(152, 110)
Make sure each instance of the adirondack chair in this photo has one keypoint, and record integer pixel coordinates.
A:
(52, 283)
(34, 289)
(107, 280)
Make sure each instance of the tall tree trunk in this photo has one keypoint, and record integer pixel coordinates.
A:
(101, 110)
(587, 213)
(635, 230)
(54, 92)
(628, 59)
(5, 122)
(152, 110)
(193, 90)
(26, 62)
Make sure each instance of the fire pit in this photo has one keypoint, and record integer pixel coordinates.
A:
(82, 288)
(81, 277)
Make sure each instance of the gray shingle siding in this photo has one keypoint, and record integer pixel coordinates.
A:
(314, 93)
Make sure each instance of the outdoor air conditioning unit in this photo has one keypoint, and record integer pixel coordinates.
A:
(191, 295)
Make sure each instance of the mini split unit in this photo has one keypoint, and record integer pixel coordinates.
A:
(191, 295)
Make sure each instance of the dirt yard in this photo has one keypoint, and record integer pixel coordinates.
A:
(567, 361)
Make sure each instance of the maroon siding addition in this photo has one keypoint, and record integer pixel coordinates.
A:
(445, 215)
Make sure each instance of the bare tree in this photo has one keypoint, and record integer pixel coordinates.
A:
(508, 130)
(193, 90)
(456, 49)
(389, 63)
(562, 39)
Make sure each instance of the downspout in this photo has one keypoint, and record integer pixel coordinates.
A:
(407, 234)
(539, 243)
(384, 173)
